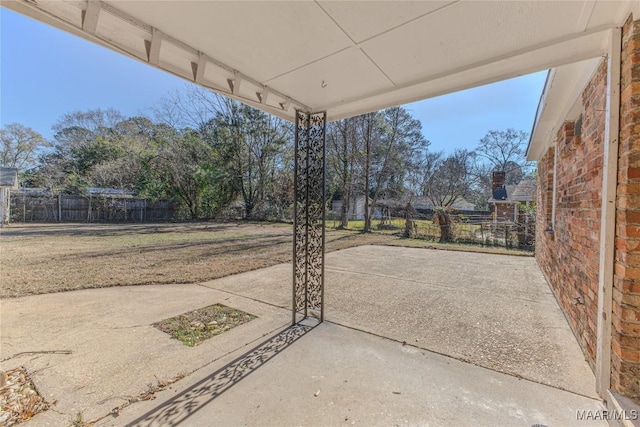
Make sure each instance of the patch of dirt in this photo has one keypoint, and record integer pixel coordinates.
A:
(193, 327)
(19, 398)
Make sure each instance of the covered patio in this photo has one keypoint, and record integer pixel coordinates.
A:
(451, 338)
(315, 61)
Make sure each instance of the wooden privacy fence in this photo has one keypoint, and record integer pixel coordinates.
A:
(95, 208)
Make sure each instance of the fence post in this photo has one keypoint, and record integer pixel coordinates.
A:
(59, 207)
(494, 233)
(507, 230)
(89, 211)
(3, 206)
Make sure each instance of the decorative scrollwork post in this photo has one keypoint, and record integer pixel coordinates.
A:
(308, 215)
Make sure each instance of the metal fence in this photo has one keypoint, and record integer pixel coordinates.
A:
(472, 228)
(108, 208)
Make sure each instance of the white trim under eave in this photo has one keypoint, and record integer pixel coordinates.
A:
(608, 216)
(541, 104)
(562, 97)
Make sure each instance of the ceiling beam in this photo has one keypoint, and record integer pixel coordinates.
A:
(585, 15)
(234, 83)
(198, 76)
(90, 16)
(153, 48)
(264, 95)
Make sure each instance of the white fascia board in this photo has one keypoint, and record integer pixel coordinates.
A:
(536, 120)
(561, 96)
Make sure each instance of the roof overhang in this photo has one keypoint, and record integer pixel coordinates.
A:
(560, 101)
(9, 178)
(342, 57)
(561, 97)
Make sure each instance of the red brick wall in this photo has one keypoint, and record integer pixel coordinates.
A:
(504, 211)
(544, 200)
(625, 358)
(569, 257)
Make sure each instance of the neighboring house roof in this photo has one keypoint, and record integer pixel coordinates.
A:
(424, 203)
(524, 191)
(34, 191)
(109, 191)
(463, 205)
(8, 177)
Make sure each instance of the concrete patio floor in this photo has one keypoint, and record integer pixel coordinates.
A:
(333, 375)
(495, 311)
(414, 336)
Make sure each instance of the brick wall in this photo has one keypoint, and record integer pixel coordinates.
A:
(503, 211)
(625, 358)
(545, 244)
(569, 256)
(545, 196)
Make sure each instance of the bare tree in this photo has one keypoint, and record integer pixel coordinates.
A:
(76, 128)
(254, 141)
(481, 179)
(447, 180)
(20, 145)
(391, 139)
(343, 161)
(505, 151)
(249, 140)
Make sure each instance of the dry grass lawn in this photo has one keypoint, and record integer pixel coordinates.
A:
(43, 258)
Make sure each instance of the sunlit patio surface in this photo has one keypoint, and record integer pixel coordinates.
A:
(412, 337)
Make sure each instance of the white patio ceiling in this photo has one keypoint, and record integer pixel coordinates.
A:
(343, 57)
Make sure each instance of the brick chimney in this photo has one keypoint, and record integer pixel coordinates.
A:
(498, 189)
(497, 180)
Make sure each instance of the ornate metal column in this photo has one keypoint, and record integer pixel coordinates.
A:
(309, 212)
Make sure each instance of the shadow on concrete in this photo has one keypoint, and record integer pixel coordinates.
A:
(179, 408)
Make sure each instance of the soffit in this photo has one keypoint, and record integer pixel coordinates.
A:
(345, 57)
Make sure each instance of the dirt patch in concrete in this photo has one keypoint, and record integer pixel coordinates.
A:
(195, 326)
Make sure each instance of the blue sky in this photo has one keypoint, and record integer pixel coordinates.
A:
(46, 73)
